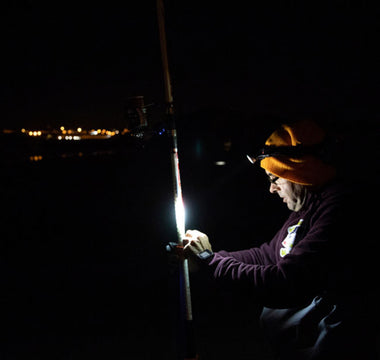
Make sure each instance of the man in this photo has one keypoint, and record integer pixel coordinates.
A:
(308, 277)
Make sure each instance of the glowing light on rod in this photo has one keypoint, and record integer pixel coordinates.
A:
(180, 217)
(251, 159)
(220, 163)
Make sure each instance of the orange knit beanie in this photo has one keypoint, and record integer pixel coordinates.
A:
(306, 170)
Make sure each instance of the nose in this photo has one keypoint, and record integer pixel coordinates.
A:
(273, 188)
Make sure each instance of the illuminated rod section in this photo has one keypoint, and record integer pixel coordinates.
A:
(180, 217)
(178, 200)
(180, 223)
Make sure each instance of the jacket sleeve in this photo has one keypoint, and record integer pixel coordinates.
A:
(292, 279)
(262, 255)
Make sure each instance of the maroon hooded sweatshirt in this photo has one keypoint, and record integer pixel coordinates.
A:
(310, 280)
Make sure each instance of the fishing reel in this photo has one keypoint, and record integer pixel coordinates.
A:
(174, 248)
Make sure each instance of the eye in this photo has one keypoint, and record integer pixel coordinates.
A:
(273, 179)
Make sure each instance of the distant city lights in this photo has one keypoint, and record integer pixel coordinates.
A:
(35, 158)
(32, 133)
(70, 134)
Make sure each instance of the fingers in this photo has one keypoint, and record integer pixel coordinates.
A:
(193, 239)
(195, 242)
(195, 235)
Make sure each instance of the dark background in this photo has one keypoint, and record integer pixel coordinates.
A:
(75, 63)
(85, 272)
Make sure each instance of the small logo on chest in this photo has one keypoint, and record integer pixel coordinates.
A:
(287, 243)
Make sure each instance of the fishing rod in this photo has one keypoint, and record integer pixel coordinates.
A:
(188, 343)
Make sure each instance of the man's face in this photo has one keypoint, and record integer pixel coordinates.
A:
(292, 194)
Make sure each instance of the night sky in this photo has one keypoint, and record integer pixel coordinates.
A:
(76, 63)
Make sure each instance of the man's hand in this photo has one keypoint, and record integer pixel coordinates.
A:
(195, 242)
